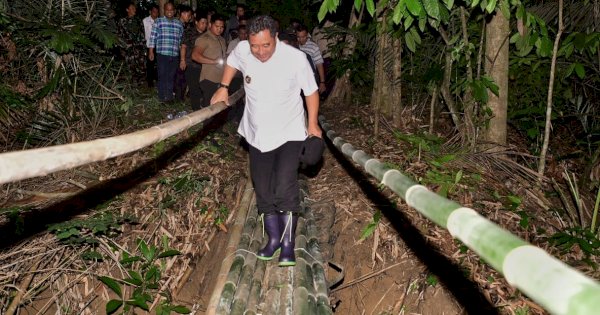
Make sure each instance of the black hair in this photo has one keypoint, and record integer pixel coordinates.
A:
(200, 15)
(301, 28)
(185, 8)
(289, 37)
(217, 17)
(154, 6)
(261, 23)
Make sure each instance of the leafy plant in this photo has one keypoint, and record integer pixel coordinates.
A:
(586, 240)
(221, 215)
(15, 219)
(425, 142)
(446, 180)
(523, 310)
(86, 231)
(431, 280)
(62, 69)
(370, 228)
(181, 185)
(361, 61)
(143, 280)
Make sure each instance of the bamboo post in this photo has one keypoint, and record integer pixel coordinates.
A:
(234, 239)
(19, 165)
(245, 283)
(559, 288)
(258, 276)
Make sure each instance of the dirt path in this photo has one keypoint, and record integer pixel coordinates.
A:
(404, 265)
(382, 274)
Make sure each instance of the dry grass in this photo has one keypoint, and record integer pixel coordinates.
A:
(42, 275)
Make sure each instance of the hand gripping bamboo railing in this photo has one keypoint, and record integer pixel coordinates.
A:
(20, 165)
(560, 289)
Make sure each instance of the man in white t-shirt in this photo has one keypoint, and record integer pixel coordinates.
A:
(274, 126)
(151, 71)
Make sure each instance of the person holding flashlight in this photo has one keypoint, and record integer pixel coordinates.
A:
(210, 51)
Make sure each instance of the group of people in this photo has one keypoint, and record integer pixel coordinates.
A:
(184, 51)
(283, 76)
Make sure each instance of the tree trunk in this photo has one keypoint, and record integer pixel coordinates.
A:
(542, 164)
(496, 67)
(397, 83)
(342, 90)
(469, 103)
(386, 86)
(380, 86)
(445, 90)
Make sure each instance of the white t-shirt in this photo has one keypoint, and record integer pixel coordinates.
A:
(148, 22)
(274, 113)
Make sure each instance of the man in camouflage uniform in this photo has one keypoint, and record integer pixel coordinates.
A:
(131, 32)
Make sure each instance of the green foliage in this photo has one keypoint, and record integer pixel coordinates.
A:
(431, 280)
(587, 241)
(522, 310)
(183, 185)
(427, 142)
(64, 28)
(370, 228)
(510, 202)
(63, 62)
(86, 231)
(15, 219)
(361, 61)
(217, 143)
(143, 281)
(221, 215)
(446, 180)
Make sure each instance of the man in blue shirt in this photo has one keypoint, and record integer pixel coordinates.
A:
(165, 41)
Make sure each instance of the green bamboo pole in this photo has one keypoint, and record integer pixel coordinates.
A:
(242, 293)
(271, 303)
(234, 238)
(559, 288)
(287, 290)
(20, 165)
(321, 289)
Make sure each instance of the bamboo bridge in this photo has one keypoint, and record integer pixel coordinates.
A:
(248, 286)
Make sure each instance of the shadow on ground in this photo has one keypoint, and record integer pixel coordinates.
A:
(450, 274)
(29, 223)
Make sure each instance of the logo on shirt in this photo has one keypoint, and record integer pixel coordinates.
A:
(248, 79)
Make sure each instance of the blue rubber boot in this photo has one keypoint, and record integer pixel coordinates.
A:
(289, 222)
(271, 225)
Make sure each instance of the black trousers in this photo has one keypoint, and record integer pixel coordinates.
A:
(208, 89)
(275, 178)
(151, 72)
(192, 78)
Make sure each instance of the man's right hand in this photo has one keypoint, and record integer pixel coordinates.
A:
(151, 55)
(221, 95)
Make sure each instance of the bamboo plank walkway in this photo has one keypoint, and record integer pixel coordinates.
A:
(256, 287)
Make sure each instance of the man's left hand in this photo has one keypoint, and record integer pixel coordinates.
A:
(322, 87)
(182, 65)
(315, 131)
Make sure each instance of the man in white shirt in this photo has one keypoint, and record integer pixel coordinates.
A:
(151, 71)
(274, 126)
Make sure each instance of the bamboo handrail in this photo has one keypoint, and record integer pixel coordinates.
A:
(19, 165)
(560, 289)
